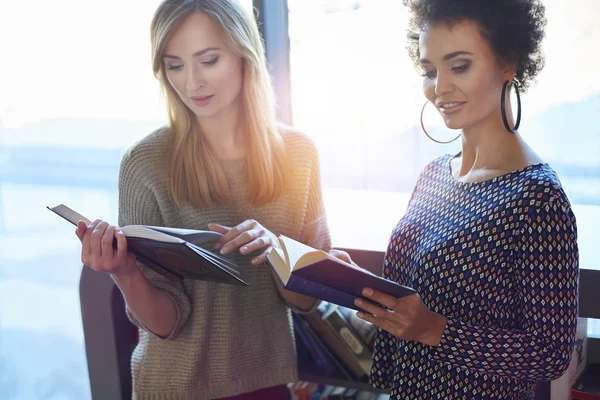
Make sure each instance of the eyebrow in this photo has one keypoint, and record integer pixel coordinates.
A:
(196, 54)
(447, 57)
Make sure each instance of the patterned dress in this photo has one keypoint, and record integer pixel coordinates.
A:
(499, 260)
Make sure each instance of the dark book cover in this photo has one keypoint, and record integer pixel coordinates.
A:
(303, 269)
(184, 260)
(337, 283)
(170, 254)
(349, 280)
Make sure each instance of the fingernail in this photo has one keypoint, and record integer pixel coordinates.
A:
(358, 302)
(225, 250)
(359, 314)
(244, 249)
(254, 261)
(367, 292)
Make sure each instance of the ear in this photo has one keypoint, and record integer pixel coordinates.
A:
(510, 70)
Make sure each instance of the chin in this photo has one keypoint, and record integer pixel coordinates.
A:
(453, 124)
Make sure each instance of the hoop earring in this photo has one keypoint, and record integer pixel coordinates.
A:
(514, 83)
(427, 134)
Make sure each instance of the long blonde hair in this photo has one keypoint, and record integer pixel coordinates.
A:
(196, 175)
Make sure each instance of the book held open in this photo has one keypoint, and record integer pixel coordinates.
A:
(315, 273)
(172, 252)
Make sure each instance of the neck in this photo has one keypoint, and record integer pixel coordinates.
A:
(487, 145)
(224, 133)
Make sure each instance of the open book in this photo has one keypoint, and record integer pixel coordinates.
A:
(315, 273)
(172, 252)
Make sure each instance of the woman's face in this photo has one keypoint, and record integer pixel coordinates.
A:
(200, 67)
(462, 75)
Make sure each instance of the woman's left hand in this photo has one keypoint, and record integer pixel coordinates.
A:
(248, 236)
(407, 317)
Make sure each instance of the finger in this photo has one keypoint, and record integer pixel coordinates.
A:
(96, 238)
(218, 228)
(222, 229)
(390, 302)
(240, 240)
(371, 308)
(263, 257)
(106, 242)
(86, 248)
(382, 323)
(121, 244)
(80, 231)
(342, 255)
(237, 230)
(256, 244)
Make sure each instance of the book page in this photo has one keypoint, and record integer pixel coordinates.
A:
(276, 258)
(299, 255)
(143, 232)
(196, 237)
(295, 250)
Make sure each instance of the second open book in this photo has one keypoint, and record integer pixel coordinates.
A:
(172, 252)
(317, 274)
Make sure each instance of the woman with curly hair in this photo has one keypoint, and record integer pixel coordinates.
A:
(489, 240)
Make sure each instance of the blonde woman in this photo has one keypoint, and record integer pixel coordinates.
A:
(222, 163)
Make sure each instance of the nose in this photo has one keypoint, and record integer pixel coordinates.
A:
(443, 84)
(195, 78)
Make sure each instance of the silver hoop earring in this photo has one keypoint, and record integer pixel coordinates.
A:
(427, 134)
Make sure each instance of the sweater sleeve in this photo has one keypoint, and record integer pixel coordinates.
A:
(139, 206)
(548, 284)
(314, 231)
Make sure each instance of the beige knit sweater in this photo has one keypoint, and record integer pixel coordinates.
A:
(227, 339)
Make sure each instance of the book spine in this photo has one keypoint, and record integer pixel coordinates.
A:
(316, 352)
(365, 330)
(335, 342)
(328, 352)
(362, 353)
(322, 292)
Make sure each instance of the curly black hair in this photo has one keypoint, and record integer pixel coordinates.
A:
(514, 28)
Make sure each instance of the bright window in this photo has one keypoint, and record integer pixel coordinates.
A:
(76, 89)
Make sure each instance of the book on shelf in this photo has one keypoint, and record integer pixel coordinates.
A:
(330, 326)
(314, 346)
(315, 273)
(172, 252)
(323, 353)
(364, 329)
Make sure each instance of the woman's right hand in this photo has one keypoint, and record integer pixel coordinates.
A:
(98, 253)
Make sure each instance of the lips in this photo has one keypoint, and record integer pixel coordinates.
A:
(450, 107)
(450, 104)
(202, 100)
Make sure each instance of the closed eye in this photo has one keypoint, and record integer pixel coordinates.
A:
(174, 67)
(211, 62)
(429, 74)
(459, 69)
